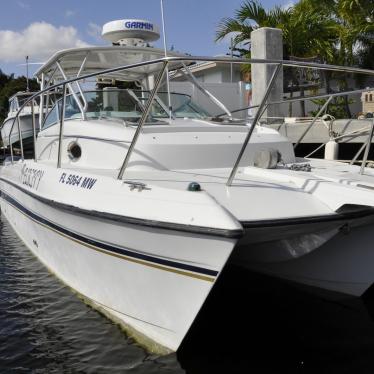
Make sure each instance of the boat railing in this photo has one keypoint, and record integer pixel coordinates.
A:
(181, 61)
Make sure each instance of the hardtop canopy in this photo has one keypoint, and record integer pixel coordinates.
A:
(81, 61)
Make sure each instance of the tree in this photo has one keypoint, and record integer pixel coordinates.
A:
(339, 32)
(352, 27)
(306, 34)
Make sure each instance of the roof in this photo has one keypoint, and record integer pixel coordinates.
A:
(101, 58)
(21, 93)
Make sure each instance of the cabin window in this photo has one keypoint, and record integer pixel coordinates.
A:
(13, 106)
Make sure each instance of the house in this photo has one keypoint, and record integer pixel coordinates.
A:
(367, 99)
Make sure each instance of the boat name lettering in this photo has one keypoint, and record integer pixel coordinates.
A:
(139, 25)
(31, 177)
(77, 180)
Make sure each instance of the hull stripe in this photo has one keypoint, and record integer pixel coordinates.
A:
(124, 253)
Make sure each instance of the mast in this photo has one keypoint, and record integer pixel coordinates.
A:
(27, 74)
(166, 55)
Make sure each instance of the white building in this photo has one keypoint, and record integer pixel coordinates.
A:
(367, 99)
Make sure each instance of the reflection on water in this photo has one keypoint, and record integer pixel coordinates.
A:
(45, 327)
(250, 323)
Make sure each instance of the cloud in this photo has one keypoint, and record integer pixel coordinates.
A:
(94, 30)
(23, 5)
(39, 40)
(69, 13)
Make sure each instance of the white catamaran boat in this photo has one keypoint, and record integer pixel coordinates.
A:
(10, 126)
(139, 208)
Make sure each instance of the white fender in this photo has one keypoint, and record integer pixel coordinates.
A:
(331, 150)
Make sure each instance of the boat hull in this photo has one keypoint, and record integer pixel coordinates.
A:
(126, 271)
(25, 125)
(338, 258)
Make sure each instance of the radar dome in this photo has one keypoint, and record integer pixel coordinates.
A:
(130, 32)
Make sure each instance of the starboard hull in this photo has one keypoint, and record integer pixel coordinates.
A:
(339, 258)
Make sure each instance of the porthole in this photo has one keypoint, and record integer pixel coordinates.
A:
(74, 151)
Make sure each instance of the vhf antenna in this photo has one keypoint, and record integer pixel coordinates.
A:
(27, 74)
(166, 55)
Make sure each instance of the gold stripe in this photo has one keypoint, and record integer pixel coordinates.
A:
(123, 257)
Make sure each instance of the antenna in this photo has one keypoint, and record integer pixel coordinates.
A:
(166, 55)
(27, 74)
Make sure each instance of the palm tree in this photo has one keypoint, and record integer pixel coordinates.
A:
(329, 31)
(249, 17)
(353, 30)
(351, 25)
(306, 34)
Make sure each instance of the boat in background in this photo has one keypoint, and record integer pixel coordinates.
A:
(137, 199)
(9, 128)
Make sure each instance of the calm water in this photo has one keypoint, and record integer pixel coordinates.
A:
(249, 324)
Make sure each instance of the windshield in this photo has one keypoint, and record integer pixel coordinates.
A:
(181, 104)
(23, 99)
(127, 105)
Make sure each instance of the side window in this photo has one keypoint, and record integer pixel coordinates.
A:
(52, 117)
(71, 107)
(12, 106)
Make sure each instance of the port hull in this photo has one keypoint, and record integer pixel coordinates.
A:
(124, 270)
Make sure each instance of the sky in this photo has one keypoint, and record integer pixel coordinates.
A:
(38, 28)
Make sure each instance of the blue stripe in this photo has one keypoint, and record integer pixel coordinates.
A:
(105, 246)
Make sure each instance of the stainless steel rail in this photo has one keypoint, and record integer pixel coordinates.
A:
(351, 135)
(20, 139)
(76, 98)
(256, 118)
(301, 98)
(61, 133)
(164, 62)
(145, 114)
(187, 73)
(323, 107)
(33, 128)
(367, 149)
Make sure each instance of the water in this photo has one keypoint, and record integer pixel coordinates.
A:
(46, 328)
(249, 324)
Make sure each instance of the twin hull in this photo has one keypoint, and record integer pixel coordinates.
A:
(154, 280)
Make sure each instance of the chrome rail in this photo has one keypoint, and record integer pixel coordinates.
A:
(352, 134)
(323, 107)
(256, 118)
(187, 73)
(33, 128)
(301, 98)
(145, 114)
(367, 148)
(61, 133)
(165, 61)
(81, 108)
